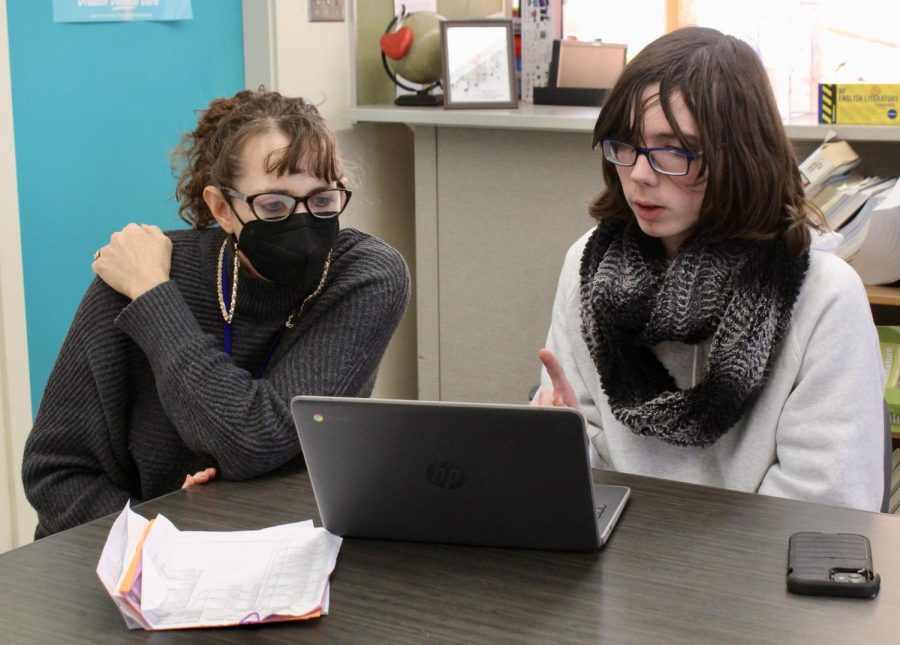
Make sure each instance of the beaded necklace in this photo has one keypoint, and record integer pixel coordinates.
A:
(228, 303)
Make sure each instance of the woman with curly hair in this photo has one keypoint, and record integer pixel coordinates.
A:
(186, 350)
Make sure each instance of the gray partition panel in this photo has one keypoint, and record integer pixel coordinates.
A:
(509, 204)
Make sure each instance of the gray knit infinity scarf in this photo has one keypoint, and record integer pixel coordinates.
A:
(738, 293)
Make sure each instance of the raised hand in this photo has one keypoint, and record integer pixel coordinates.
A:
(136, 259)
(561, 395)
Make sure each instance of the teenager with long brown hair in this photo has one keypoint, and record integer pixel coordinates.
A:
(694, 327)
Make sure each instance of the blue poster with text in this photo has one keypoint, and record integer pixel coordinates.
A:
(120, 10)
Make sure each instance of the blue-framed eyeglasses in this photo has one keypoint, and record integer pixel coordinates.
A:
(664, 160)
(325, 203)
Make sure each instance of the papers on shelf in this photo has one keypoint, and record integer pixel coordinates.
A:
(831, 159)
(862, 212)
(843, 197)
(163, 578)
(873, 246)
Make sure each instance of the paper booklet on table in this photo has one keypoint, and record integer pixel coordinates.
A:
(163, 578)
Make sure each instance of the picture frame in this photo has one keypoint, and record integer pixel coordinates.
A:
(478, 58)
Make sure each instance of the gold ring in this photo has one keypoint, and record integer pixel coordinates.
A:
(96, 255)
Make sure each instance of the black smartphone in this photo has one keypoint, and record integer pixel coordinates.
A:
(831, 564)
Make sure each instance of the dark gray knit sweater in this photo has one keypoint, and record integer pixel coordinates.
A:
(142, 392)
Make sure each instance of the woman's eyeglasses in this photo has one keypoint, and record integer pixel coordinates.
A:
(326, 203)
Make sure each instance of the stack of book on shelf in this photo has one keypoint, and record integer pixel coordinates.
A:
(865, 210)
(843, 197)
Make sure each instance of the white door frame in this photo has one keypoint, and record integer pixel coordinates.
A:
(17, 518)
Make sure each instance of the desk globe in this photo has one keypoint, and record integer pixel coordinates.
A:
(412, 43)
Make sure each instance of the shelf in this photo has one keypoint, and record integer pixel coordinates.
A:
(806, 128)
(883, 295)
(561, 118)
(526, 117)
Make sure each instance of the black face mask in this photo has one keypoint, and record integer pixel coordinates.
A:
(290, 252)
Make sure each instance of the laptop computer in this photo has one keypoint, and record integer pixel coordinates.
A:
(457, 473)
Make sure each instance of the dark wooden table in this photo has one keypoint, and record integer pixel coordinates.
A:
(686, 564)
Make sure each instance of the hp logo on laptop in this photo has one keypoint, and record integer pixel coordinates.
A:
(445, 475)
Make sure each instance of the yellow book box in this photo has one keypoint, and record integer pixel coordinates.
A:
(859, 103)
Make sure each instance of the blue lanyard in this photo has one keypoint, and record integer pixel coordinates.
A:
(226, 332)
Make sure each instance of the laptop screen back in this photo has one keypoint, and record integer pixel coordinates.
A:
(446, 472)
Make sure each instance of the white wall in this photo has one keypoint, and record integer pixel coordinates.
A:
(17, 519)
(286, 52)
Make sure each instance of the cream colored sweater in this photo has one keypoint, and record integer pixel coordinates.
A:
(816, 431)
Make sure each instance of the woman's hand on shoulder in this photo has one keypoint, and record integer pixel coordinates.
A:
(561, 395)
(200, 477)
(137, 259)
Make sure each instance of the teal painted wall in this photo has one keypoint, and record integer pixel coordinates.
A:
(97, 108)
